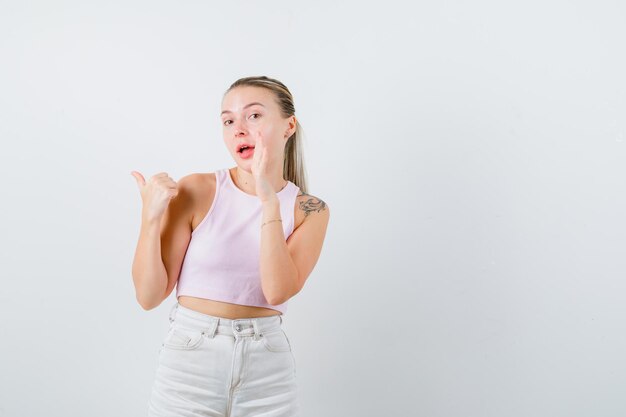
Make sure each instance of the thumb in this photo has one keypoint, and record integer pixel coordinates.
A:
(141, 181)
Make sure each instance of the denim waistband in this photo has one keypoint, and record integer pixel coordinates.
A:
(211, 325)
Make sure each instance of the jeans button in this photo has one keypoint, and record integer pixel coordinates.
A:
(238, 328)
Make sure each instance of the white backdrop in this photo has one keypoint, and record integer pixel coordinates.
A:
(472, 154)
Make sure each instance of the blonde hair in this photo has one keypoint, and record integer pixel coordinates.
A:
(293, 165)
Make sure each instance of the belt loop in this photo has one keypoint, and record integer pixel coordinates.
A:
(212, 330)
(257, 333)
(281, 318)
(171, 316)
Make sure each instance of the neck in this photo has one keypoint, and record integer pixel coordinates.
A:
(245, 180)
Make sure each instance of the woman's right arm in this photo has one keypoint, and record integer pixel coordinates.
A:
(163, 238)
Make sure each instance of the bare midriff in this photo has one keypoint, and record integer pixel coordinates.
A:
(223, 309)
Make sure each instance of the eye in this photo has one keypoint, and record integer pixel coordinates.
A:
(226, 122)
(254, 114)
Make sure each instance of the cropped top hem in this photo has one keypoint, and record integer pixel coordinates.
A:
(212, 294)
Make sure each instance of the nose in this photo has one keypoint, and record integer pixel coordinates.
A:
(240, 129)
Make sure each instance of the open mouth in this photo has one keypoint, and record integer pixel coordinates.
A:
(243, 148)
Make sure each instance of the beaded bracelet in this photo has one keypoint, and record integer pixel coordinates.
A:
(277, 220)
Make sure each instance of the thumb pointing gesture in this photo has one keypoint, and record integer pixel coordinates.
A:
(141, 181)
(156, 193)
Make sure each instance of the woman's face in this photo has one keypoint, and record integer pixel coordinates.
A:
(248, 111)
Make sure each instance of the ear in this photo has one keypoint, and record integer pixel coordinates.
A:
(292, 127)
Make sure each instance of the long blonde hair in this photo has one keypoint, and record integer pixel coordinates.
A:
(293, 164)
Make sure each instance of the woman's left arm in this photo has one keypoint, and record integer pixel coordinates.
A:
(285, 265)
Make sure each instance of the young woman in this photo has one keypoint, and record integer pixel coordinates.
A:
(237, 244)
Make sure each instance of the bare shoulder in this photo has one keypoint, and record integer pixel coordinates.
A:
(195, 191)
(198, 181)
(310, 204)
(201, 189)
(309, 207)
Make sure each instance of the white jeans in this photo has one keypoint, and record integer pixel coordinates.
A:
(212, 366)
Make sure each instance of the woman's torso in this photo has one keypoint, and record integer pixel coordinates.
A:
(204, 193)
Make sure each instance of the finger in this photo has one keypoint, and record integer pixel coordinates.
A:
(264, 162)
(262, 156)
(165, 182)
(257, 152)
(141, 181)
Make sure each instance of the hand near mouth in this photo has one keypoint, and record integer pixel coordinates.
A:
(263, 188)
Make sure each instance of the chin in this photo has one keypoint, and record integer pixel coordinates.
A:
(246, 166)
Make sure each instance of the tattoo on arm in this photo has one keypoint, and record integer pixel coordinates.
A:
(311, 204)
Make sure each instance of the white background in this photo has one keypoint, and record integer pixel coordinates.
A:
(472, 154)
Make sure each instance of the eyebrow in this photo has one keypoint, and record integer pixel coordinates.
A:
(245, 107)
